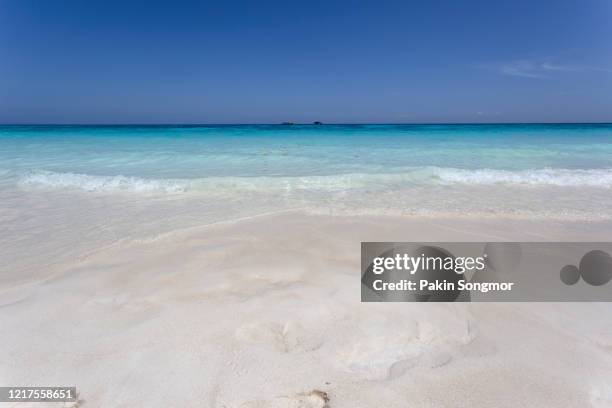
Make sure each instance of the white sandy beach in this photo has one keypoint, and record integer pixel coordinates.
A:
(265, 312)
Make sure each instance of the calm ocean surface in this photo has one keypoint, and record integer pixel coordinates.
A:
(100, 158)
(65, 190)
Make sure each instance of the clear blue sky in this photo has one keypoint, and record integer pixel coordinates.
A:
(270, 61)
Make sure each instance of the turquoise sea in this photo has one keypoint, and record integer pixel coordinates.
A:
(407, 168)
(133, 158)
(65, 190)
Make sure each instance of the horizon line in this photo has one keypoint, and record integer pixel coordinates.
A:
(289, 124)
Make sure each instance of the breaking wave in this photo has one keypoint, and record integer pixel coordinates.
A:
(421, 176)
(86, 182)
(547, 176)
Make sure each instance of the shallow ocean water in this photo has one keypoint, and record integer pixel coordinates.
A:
(67, 190)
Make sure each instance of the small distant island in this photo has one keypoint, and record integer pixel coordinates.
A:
(293, 123)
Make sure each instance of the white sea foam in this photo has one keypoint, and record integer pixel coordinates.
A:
(92, 183)
(422, 176)
(552, 177)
